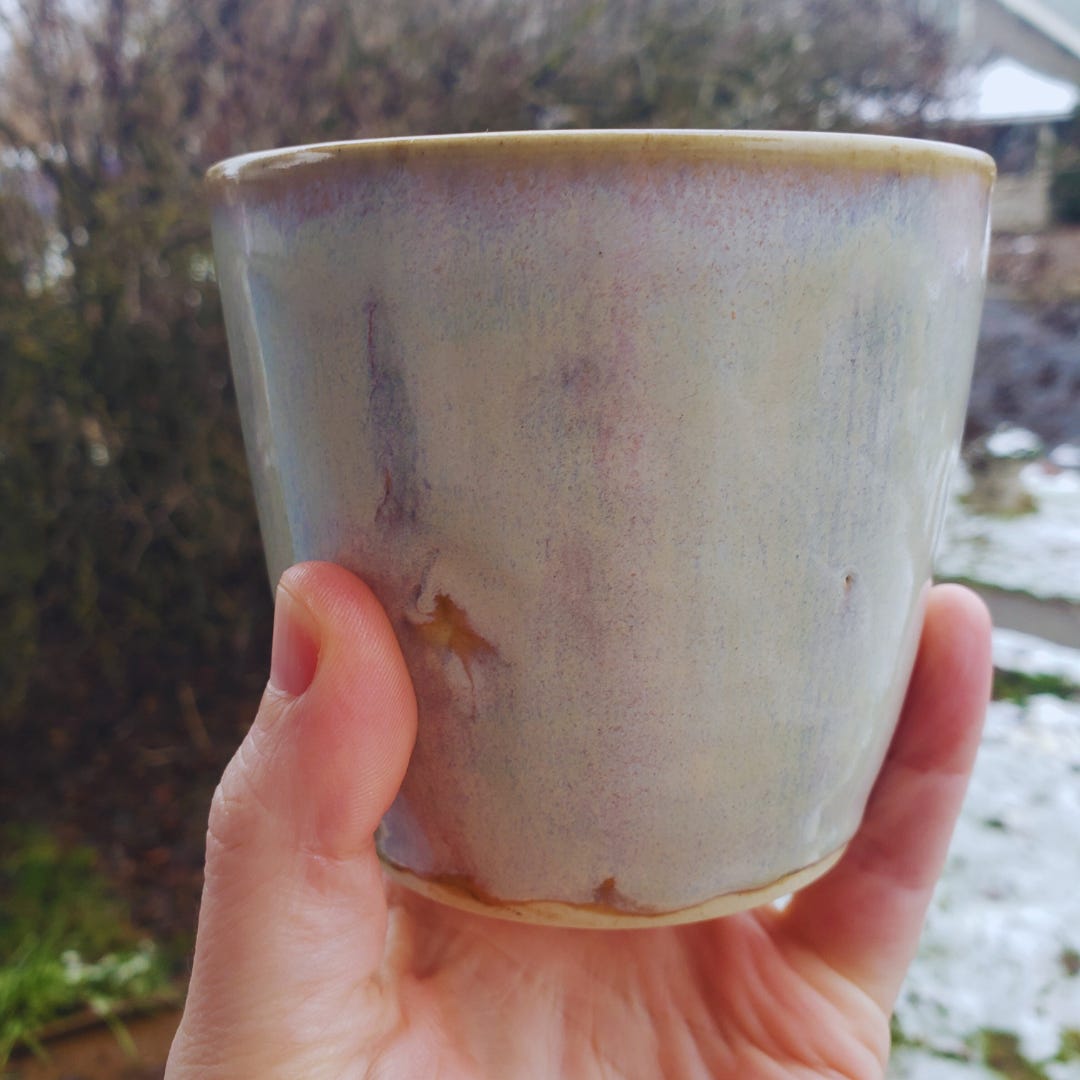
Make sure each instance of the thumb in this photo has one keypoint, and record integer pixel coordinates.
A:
(293, 916)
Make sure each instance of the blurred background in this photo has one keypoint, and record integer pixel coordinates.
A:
(134, 606)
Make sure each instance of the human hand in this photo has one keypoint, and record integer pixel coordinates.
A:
(306, 966)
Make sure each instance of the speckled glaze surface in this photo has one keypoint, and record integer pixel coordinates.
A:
(642, 439)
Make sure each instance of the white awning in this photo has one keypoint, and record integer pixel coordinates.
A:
(1004, 91)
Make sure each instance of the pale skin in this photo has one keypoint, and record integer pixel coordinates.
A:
(308, 965)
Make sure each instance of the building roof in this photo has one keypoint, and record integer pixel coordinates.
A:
(1058, 20)
(1005, 91)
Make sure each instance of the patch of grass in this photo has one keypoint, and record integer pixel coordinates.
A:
(1070, 961)
(66, 943)
(899, 1039)
(997, 1050)
(897, 1034)
(1000, 1051)
(1070, 1045)
(1018, 687)
(978, 504)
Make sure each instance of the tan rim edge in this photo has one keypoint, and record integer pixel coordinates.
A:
(825, 149)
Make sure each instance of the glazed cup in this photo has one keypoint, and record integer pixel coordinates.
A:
(642, 439)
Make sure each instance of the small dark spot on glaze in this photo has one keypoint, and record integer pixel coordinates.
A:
(849, 581)
(605, 892)
(608, 897)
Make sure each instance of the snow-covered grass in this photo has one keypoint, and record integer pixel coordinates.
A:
(995, 989)
(1029, 655)
(1036, 553)
(997, 978)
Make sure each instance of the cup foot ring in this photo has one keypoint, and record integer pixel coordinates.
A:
(598, 917)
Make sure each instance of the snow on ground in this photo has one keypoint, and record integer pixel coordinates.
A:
(1030, 655)
(1036, 553)
(914, 1063)
(1003, 937)
(1001, 949)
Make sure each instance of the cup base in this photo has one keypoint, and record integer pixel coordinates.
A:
(600, 917)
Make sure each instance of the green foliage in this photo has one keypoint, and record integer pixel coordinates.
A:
(1065, 186)
(65, 941)
(1000, 1051)
(1070, 1045)
(897, 1036)
(1018, 686)
(1065, 191)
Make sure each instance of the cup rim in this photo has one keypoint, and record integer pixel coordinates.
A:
(827, 150)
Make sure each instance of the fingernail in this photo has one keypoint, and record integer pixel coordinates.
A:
(295, 651)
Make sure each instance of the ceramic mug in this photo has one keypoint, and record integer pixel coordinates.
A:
(642, 439)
